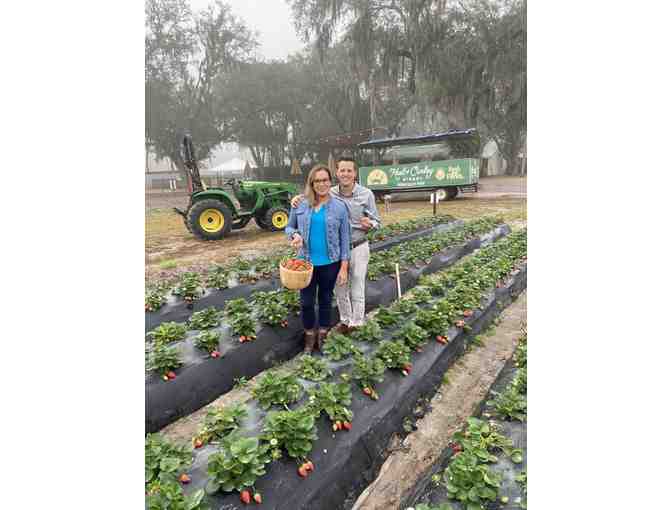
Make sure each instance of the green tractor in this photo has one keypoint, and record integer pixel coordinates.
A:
(212, 212)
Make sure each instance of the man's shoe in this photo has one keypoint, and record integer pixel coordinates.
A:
(308, 341)
(341, 328)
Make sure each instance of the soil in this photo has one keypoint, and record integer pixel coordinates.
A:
(170, 249)
(467, 383)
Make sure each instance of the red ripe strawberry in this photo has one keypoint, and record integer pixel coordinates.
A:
(302, 471)
(245, 497)
(184, 478)
(198, 443)
(347, 425)
(257, 498)
(408, 367)
(367, 391)
(215, 354)
(242, 338)
(171, 375)
(309, 465)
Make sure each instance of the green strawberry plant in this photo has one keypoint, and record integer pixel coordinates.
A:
(218, 278)
(521, 480)
(164, 460)
(425, 506)
(169, 496)
(154, 300)
(404, 308)
(168, 332)
(292, 431)
(313, 369)
(220, 422)
(208, 341)
(368, 372)
(483, 439)
(290, 299)
(471, 482)
(205, 319)
(520, 354)
(412, 335)
(434, 321)
(237, 464)
(511, 404)
(338, 347)
(395, 355)
(277, 389)
(332, 398)
(420, 295)
(237, 307)
(270, 308)
(189, 286)
(369, 332)
(163, 360)
(387, 317)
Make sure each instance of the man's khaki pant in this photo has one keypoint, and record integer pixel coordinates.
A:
(350, 297)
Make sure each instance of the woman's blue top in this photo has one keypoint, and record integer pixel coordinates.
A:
(319, 254)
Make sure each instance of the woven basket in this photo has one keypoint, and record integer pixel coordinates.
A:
(295, 280)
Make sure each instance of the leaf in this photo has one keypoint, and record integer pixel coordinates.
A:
(212, 487)
(195, 499)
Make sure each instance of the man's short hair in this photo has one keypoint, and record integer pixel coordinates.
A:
(347, 157)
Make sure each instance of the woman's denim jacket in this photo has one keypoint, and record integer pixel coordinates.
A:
(338, 228)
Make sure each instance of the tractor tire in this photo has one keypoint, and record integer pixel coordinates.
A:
(277, 218)
(451, 193)
(209, 219)
(261, 222)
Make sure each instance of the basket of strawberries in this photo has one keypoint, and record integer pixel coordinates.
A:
(295, 274)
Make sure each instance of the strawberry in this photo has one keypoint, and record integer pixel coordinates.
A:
(367, 391)
(468, 313)
(334, 427)
(165, 377)
(184, 478)
(438, 338)
(347, 425)
(302, 471)
(245, 497)
(215, 354)
(339, 425)
(405, 372)
(374, 395)
(171, 375)
(257, 498)
(407, 367)
(242, 338)
(198, 443)
(309, 466)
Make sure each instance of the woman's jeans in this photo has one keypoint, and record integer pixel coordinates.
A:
(322, 283)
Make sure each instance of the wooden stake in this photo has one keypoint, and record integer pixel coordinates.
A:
(396, 269)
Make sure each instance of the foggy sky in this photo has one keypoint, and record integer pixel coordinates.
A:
(270, 18)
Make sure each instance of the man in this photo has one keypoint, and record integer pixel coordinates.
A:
(364, 216)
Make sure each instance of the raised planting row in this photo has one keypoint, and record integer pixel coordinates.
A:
(163, 300)
(485, 466)
(196, 376)
(305, 439)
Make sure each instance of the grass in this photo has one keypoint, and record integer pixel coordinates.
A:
(168, 264)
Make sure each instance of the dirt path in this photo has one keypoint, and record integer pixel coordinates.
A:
(468, 381)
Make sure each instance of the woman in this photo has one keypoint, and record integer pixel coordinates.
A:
(319, 228)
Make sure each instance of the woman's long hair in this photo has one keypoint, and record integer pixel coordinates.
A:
(309, 192)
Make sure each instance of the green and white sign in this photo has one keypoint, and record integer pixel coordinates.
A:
(431, 173)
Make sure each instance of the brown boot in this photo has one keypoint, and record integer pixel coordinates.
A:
(321, 337)
(341, 328)
(309, 341)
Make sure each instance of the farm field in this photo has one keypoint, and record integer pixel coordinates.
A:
(171, 250)
(361, 395)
